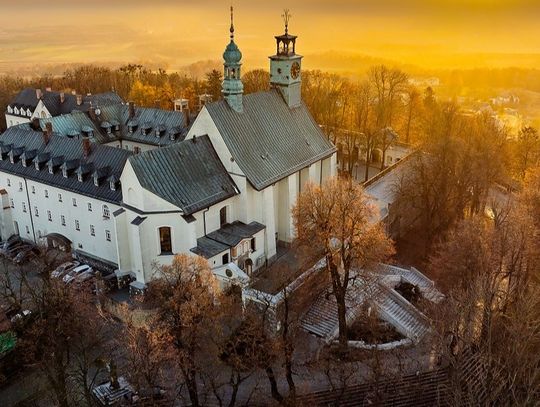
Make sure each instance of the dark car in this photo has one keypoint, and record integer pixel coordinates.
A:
(26, 254)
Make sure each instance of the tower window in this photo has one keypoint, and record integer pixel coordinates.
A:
(165, 240)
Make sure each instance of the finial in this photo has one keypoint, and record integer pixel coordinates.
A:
(232, 24)
(286, 17)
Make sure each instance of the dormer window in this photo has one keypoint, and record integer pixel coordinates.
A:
(96, 181)
(9, 109)
(80, 177)
(36, 164)
(12, 158)
(16, 111)
(29, 113)
(51, 169)
(64, 172)
(113, 185)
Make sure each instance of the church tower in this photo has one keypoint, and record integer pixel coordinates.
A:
(285, 66)
(232, 87)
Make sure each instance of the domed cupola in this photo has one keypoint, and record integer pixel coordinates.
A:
(232, 86)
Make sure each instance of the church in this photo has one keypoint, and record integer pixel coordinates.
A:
(222, 189)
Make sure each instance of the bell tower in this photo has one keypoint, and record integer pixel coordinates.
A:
(232, 87)
(285, 66)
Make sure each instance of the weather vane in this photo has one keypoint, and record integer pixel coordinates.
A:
(286, 17)
(232, 24)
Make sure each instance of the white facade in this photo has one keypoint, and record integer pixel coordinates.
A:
(34, 210)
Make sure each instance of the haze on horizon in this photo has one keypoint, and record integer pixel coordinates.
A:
(427, 34)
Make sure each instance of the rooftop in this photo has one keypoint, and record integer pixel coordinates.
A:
(188, 174)
(268, 140)
(25, 153)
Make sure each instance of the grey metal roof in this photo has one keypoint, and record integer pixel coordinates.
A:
(208, 248)
(188, 174)
(171, 125)
(233, 233)
(60, 150)
(269, 140)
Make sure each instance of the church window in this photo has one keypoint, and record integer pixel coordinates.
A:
(43, 115)
(165, 240)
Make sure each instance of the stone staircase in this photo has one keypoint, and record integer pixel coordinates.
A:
(402, 314)
(322, 319)
(415, 277)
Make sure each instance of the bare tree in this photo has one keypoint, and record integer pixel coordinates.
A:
(335, 220)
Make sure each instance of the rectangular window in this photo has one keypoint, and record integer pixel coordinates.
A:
(36, 211)
(27, 229)
(253, 246)
(24, 206)
(77, 226)
(33, 189)
(8, 182)
(20, 186)
(108, 235)
(74, 200)
(106, 212)
(63, 220)
(11, 203)
(46, 193)
(136, 150)
(89, 207)
(49, 216)
(59, 197)
(92, 230)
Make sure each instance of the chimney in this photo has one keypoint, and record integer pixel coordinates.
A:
(62, 97)
(47, 133)
(186, 115)
(92, 112)
(86, 146)
(38, 94)
(79, 100)
(131, 110)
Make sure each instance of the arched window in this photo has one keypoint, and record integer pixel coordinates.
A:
(165, 240)
(222, 216)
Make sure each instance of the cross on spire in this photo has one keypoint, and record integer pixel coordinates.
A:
(232, 24)
(286, 17)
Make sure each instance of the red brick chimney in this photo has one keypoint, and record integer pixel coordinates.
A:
(131, 110)
(47, 133)
(86, 146)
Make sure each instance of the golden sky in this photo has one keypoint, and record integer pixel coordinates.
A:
(336, 33)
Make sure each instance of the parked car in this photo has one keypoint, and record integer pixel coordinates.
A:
(76, 272)
(26, 254)
(10, 245)
(16, 249)
(64, 268)
(85, 276)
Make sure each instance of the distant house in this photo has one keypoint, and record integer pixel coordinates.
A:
(32, 104)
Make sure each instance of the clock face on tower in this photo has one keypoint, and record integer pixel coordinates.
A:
(295, 70)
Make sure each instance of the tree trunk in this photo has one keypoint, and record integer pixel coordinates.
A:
(273, 384)
(191, 384)
(342, 320)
